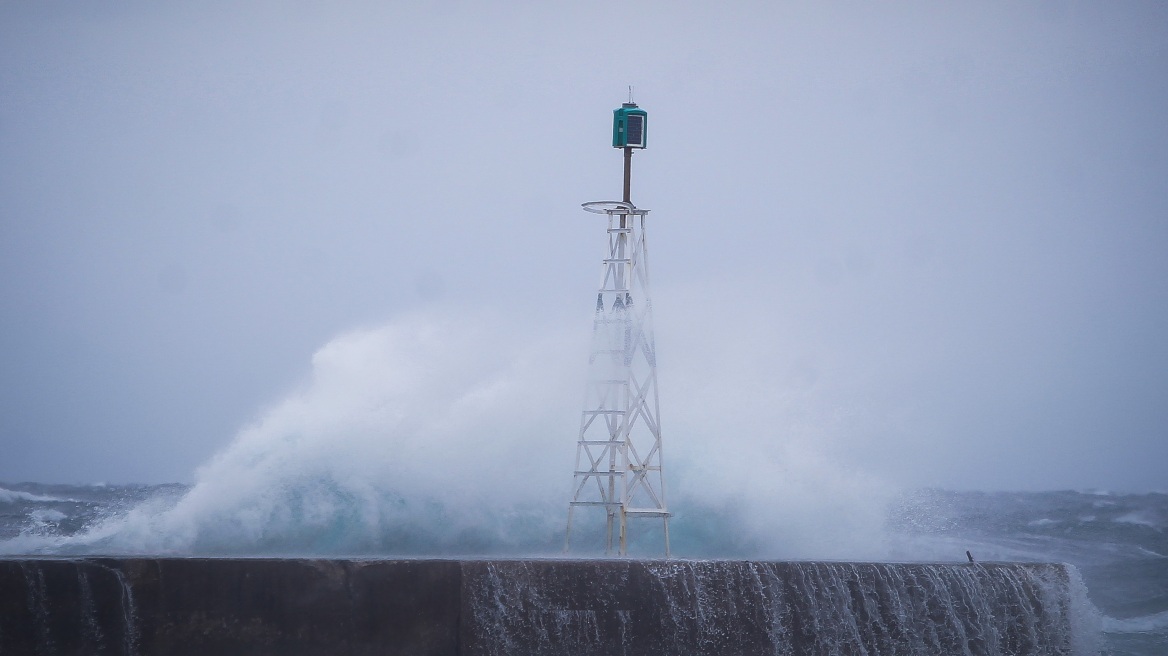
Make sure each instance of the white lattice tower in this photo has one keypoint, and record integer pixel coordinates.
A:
(618, 454)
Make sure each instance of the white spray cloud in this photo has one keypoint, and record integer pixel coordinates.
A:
(453, 433)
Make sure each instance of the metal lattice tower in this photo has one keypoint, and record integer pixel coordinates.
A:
(618, 454)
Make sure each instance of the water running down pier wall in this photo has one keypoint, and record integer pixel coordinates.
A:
(176, 606)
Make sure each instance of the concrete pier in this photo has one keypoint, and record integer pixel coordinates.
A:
(254, 606)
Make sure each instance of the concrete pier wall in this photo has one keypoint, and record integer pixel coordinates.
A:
(177, 606)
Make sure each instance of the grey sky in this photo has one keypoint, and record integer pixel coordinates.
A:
(928, 238)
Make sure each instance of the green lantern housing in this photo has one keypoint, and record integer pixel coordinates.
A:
(629, 126)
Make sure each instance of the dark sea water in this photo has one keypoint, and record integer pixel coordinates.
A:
(1117, 542)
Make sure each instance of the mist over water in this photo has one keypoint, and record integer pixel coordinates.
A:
(454, 433)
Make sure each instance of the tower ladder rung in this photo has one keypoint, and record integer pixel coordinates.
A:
(614, 504)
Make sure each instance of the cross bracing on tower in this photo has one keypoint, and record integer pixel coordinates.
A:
(618, 452)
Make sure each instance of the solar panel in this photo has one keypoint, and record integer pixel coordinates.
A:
(636, 130)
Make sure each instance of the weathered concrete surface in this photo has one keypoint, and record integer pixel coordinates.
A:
(228, 606)
(743, 607)
(178, 606)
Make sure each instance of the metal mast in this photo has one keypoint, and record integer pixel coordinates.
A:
(618, 453)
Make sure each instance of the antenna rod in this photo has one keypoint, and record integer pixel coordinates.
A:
(628, 174)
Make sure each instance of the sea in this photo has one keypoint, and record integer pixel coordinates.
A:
(1118, 543)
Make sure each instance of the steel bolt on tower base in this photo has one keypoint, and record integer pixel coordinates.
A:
(618, 454)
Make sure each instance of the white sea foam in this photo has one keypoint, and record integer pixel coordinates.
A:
(12, 496)
(1138, 518)
(1145, 624)
(445, 433)
(1086, 619)
(47, 516)
(1149, 552)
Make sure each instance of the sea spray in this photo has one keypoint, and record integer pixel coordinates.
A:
(1085, 619)
(444, 434)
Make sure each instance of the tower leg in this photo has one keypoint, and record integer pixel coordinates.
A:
(608, 535)
(624, 539)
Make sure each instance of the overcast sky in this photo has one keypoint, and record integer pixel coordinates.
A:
(928, 238)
